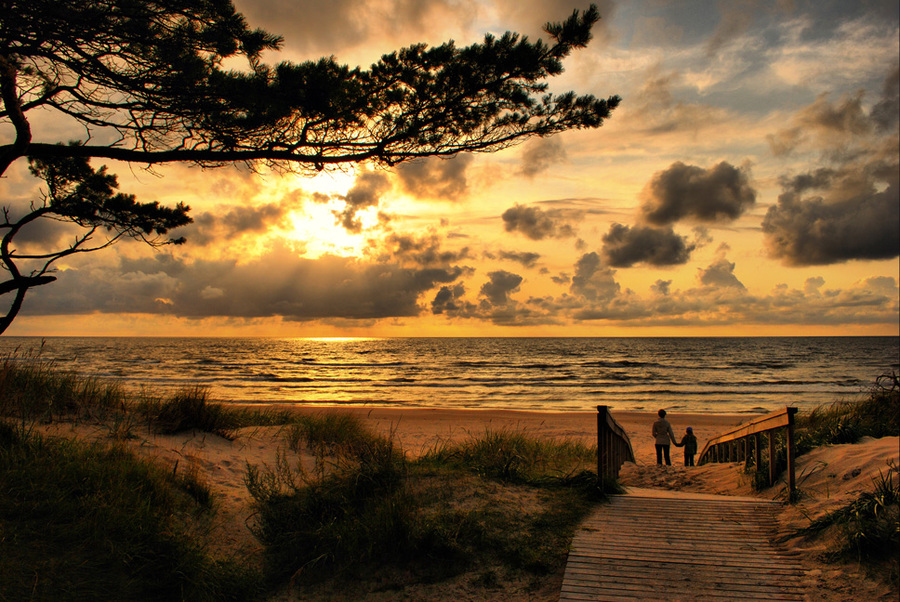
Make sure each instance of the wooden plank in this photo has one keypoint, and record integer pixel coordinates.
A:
(669, 548)
(580, 565)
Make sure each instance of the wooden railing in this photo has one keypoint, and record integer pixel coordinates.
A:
(613, 445)
(738, 444)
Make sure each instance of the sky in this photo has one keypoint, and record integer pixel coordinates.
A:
(747, 185)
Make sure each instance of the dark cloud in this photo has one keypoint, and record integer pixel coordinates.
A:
(720, 274)
(535, 223)
(228, 222)
(886, 112)
(687, 191)
(422, 250)
(497, 290)
(525, 258)
(661, 287)
(814, 231)
(449, 300)
(593, 281)
(435, 178)
(277, 284)
(541, 154)
(624, 246)
(365, 193)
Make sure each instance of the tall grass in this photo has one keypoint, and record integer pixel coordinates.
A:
(876, 415)
(33, 389)
(94, 522)
(437, 516)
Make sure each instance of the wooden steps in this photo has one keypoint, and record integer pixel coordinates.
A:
(654, 545)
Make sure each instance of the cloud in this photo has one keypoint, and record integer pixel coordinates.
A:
(722, 192)
(276, 284)
(365, 193)
(720, 274)
(421, 250)
(535, 223)
(661, 287)
(230, 221)
(436, 178)
(541, 154)
(831, 126)
(657, 109)
(449, 300)
(593, 281)
(501, 284)
(624, 246)
(527, 259)
(813, 231)
(886, 112)
(735, 21)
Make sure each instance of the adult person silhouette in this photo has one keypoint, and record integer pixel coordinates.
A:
(663, 433)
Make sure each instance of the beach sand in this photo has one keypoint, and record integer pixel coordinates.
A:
(828, 477)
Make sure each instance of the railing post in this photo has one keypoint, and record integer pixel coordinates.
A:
(602, 442)
(758, 452)
(792, 481)
(772, 458)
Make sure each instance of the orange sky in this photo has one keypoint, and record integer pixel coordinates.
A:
(747, 185)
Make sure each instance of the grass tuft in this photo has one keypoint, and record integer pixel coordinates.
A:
(870, 525)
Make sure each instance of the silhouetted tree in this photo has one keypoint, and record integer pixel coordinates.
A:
(147, 81)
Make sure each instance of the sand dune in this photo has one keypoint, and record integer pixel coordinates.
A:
(828, 477)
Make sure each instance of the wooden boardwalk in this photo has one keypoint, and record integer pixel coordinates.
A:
(660, 545)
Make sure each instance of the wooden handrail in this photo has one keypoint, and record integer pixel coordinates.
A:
(613, 445)
(736, 443)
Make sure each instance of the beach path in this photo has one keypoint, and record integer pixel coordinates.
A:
(675, 545)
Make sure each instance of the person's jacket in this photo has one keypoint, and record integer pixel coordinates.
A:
(663, 432)
(689, 443)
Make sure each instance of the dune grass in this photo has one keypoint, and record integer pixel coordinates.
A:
(34, 390)
(94, 522)
(876, 415)
(502, 503)
(83, 521)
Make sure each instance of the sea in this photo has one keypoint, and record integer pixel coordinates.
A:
(704, 375)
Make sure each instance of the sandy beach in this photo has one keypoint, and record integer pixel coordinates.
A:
(829, 477)
(418, 429)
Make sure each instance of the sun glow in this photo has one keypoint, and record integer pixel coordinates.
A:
(318, 228)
